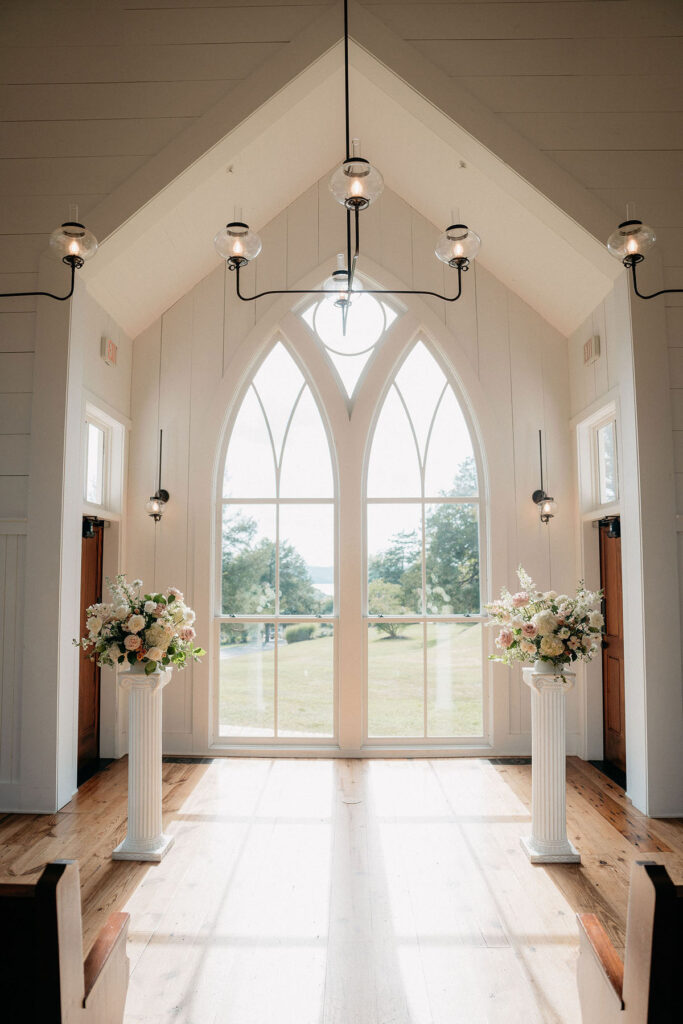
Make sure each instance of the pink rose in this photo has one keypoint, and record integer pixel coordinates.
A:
(159, 610)
(504, 638)
(529, 630)
(520, 600)
(132, 642)
(187, 633)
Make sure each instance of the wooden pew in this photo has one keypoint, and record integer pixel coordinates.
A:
(42, 974)
(646, 988)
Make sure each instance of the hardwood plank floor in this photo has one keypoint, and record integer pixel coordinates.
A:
(349, 892)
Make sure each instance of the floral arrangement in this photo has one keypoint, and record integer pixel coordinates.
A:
(157, 629)
(549, 626)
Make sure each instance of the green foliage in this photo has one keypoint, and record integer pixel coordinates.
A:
(248, 583)
(386, 599)
(295, 634)
(451, 560)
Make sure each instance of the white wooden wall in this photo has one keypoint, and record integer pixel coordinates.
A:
(12, 568)
(178, 368)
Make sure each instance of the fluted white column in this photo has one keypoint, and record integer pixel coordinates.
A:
(548, 841)
(145, 839)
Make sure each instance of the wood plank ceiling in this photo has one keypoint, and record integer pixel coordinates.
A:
(91, 89)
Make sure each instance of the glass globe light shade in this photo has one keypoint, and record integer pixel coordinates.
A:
(155, 507)
(631, 238)
(73, 239)
(338, 283)
(457, 243)
(237, 241)
(356, 183)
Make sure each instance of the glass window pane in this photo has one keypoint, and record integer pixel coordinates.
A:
(94, 476)
(248, 569)
(247, 672)
(454, 679)
(364, 325)
(394, 559)
(421, 381)
(607, 463)
(278, 383)
(395, 680)
(450, 469)
(249, 464)
(452, 559)
(394, 470)
(306, 559)
(306, 466)
(305, 674)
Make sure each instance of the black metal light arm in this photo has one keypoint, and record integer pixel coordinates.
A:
(236, 264)
(75, 262)
(631, 262)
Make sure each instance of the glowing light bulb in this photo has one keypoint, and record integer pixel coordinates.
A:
(74, 248)
(632, 245)
(458, 250)
(237, 248)
(356, 187)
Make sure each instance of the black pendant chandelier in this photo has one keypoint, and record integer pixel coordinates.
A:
(356, 184)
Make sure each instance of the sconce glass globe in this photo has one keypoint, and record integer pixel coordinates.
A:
(631, 238)
(72, 239)
(457, 243)
(155, 507)
(356, 183)
(237, 241)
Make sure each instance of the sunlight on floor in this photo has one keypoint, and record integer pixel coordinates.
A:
(335, 892)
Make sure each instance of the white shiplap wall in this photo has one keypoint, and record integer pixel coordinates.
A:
(12, 568)
(178, 366)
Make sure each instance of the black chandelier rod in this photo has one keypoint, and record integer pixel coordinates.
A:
(73, 262)
(235, 266)
(346, 78)
(632, 264)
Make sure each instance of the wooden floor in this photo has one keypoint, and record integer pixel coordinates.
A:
(348, 892)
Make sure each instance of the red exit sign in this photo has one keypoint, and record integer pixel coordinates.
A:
(109, 351)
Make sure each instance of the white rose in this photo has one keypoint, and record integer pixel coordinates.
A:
(550, 595)
(114, 653)
(563, 633)
(94, 624)
(596, 620)
(154, 654)
(150, 606)
(120, 611)
(136, 623)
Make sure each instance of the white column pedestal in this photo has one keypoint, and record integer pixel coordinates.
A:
(145, 839)
(548, 843)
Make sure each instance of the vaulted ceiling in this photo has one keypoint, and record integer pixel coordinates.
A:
(107, 101)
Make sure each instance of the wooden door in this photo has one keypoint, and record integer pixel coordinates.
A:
(613, 710)
(89, 674)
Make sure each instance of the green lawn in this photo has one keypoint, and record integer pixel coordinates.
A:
(395, 684)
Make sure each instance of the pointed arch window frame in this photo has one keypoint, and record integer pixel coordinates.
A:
(276, 618)
(388, 299)
(421, 334)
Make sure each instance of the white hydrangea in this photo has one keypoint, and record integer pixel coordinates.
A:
(551, 646)
(545, 622)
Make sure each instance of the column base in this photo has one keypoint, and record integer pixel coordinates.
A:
(565, 854)
(127, 850)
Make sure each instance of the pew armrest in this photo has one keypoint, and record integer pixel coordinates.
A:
(108, 953)
(600, 972)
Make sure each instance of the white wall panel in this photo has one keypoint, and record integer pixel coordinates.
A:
(12, 567)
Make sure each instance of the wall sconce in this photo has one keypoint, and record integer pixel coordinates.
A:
(155, 505)
(546, 505)
(629, 243)
(74, 244)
